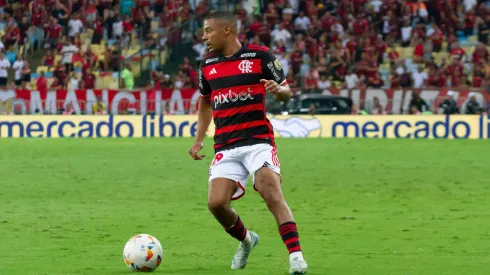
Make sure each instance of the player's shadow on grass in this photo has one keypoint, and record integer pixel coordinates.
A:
(185, 271)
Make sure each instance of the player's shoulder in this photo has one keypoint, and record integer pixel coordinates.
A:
(258, 48)
(209, 58)
(256, 51)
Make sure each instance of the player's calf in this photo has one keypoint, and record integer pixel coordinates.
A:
(268, 184)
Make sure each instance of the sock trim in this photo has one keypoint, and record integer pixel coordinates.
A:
(238, 230)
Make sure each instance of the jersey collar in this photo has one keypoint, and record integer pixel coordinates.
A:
(235, 55)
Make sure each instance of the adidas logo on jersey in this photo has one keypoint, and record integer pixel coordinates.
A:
(213, 71)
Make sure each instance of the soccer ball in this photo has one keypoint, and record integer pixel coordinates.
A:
(143, 253)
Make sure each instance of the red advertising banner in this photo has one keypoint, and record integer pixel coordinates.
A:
(185, 101)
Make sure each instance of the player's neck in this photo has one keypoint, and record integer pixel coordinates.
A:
(232, 49)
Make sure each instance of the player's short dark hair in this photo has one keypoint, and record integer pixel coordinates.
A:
(222, 15)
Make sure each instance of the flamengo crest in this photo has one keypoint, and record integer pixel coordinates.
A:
(245, 66)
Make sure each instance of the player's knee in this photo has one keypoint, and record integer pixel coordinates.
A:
(217, 204)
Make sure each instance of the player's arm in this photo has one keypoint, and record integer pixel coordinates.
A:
(274, 78)
(204, 117)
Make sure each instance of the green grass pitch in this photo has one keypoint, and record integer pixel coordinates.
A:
(362, 206)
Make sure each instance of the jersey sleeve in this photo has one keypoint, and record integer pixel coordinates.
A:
(272, 68)
(204, 87)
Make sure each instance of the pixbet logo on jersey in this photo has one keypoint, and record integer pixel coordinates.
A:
(231, 96)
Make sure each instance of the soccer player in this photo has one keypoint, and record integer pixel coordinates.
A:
(233, 81)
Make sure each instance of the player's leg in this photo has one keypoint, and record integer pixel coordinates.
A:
(265, 168)
(226, 183)
(220, 192)
(267, 182)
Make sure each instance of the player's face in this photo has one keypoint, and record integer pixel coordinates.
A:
(213, 35)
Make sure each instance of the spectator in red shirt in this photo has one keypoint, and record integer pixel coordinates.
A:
(12, 33)
(393, 56)
(48, 59)
(42, 83)
(418, 51)
(431, 77)
(455, 68)
(37, 11)
(394, 79)
(328, 21)
(88, 80)
(310, 82)
(456, 79)
(375, 80)
(480, 54)
(360, 25)
(54, 33)
(437, 38)
(296, 59)
(338, 66)
(441, 79)
(457, 52)
(271, 15)
(479, 75)
(98, 27)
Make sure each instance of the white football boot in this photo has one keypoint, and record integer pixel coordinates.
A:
(241, 256)
(297, 265)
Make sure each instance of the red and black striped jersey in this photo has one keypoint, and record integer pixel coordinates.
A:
(238, 97)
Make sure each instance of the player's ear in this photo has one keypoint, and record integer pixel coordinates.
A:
(227, 29)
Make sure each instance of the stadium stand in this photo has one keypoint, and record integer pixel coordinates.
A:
(321, 44)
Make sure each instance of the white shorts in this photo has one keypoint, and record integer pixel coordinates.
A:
(238, 163)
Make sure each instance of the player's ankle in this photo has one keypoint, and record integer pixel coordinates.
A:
(248, 239)
(238, 230)
(296, 254)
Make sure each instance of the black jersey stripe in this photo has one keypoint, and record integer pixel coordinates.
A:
(243, 134)
(234, 80)
(238, 119)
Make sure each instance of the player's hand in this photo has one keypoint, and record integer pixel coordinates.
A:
(194, 151)
(271, 86)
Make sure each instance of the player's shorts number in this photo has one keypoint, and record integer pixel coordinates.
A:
(217, 158)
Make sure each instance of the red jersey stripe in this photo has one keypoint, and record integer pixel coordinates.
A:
(229, 141)
(239, 110)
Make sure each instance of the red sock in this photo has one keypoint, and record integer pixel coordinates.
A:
(238, 231)
(290, 237)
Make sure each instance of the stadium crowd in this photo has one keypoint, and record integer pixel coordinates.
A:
(320, 44)
(370, 43)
